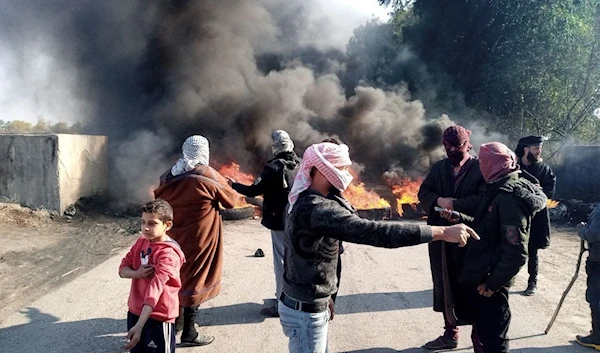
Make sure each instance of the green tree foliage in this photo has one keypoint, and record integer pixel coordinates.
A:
(397, 4)
(42, 126)
(530, 66)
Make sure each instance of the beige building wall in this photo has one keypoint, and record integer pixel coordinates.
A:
(52, 171)
(82, 167)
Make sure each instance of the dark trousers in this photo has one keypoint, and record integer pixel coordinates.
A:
(492, 319)
(533, 265)
(592, 294)
(157, 336)
(450, 330)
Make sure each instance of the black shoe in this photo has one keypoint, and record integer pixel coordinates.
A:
(531, 289)
(189, 335)
(592, 341)
(270, 311)
(200, 340)
(441, 343)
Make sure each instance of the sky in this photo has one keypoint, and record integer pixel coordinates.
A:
(354, 13)
(365, 7)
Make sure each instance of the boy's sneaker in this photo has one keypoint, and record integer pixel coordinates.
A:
(441, 343)
(592, 341)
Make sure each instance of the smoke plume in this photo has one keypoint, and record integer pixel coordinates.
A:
(150, 73)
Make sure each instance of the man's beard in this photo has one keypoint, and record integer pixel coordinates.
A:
(533, 159)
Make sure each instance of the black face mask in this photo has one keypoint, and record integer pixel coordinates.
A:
(532, 158)
(455, 157)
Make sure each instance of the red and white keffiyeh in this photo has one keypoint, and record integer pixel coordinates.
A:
(496, 160)
(328, 158)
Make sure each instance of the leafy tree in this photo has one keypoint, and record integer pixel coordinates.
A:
(19, 126)
(397, 4)
(61, 128)
(529, 66)
(42, 126)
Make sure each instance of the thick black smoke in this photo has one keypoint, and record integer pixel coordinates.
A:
(150, 73)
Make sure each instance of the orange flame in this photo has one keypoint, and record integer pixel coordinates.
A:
(407, 193)
(552, 203)
(364, 199)
(232, 171)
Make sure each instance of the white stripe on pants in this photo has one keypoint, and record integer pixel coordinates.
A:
(167, 335)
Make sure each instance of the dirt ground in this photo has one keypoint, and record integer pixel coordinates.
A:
(41, 251)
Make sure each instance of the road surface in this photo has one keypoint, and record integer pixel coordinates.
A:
(384, 304)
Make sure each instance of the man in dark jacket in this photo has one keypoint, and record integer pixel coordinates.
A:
(454, 183)
(274, 183)
(317, 220)
(529, 154)
(503, 220)
(590, 232)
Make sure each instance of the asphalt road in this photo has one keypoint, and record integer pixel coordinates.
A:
(384, 305)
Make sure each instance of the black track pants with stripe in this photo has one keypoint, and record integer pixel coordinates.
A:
(157, 336)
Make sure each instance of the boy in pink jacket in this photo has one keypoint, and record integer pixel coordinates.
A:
(153, 264)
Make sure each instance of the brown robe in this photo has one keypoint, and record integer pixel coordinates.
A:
(198, 228)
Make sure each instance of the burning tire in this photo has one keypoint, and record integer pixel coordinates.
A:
(375, 214)
(256, 201)
(558, 212)
(233, 214)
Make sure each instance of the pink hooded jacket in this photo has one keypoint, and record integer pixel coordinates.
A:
(161, 291)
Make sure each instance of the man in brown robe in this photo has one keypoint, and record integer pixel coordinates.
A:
(454, 183)
(195, 191)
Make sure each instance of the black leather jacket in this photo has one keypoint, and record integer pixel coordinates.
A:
(274, 183)
(313, 231)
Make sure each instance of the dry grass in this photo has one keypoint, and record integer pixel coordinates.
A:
(23, 216)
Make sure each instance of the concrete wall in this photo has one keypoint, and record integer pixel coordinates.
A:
(28, 170)
(52, 171)
(82, 167)
(579, 176)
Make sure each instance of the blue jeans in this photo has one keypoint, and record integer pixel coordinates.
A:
(307, 332)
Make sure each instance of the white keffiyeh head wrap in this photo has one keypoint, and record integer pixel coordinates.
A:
(195, 151)
(328, 158)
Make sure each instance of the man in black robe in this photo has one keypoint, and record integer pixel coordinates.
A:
(454, 183)
(529, 154)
